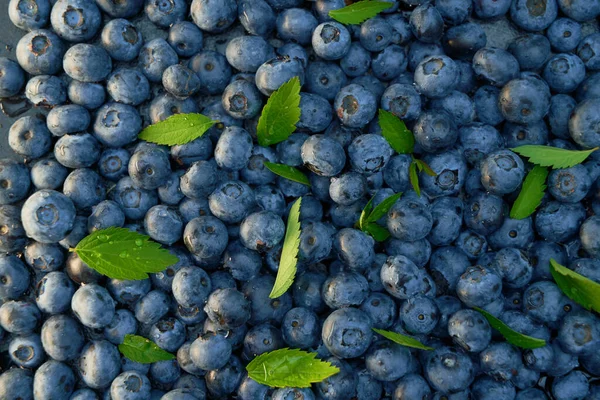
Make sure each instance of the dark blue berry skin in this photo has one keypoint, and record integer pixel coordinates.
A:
(261, 339)
(356, 62)
(484, 213)
(134, 201)
(128, 86)
(213, 17)
(93, 306)
(569, 185)
(99, 374)
(29, 16)
(513, 233)
(518, 135)
(564, 72)
(559, 222)
(152, 307)
(12, 77)
(199, 180)
(165, 14)
(499, 360)
(53, 379)
(472, 244)
(402, 100)
(205, 237)
(579, 333)
(495, 65)
(87, 63)
(435, 131)
(165, 372)
(197, 150)
(163, 224)
(419, 315)
(185, 38)
(316, 113)
(53, 293)
(117, 124)
(210, 351)
(345, 289)
(354, 248)
(277, 71)
(426, 23)
(524, 100)
(191, 287)
(487, 9)
(261, 231)
(233, 149)
(401, 31)
(477, 140)
(270, 198)
(417, 251)
(347, 332)
(389, 63)
(381, 308)
(131, 385)
(403, 279)
(564, 34)
(486, 105)
(224, 381)
(46, 91)
(88, 95)
(29, 137)
(75, 20)
(67, 119)
(533, 18)
(296, 24)
(412, 386)
(514, 267)
(436, 76)
(243, 264)
(347, 188)
(307, 291)
(212, 69)
(19, 317)
(154, 58)
(323, 156)
(48, 216)
(369, 153)
(228, 307)
(588, 235)
(579, 10)
(168, 334)
(531, 50)
(242, 99)
(588, 51)
(149, 168)
(540, 253)
(463, 41)
(449, 370)
(265, 309)
(325, 79)
(40, 52)
(446, 266)
(418, 51)
(26, 351)
(14, 181)
(561, 106)
(574, 385)
(486, 388)
(447, 306)
(478, 286)
(121, 39)
(62, 337)
(293, 50)
(257, 17)
(290, 393)
(502, 172)
(84, 188)
(232, 201)
(124, 9)
(180, 81)
(170, 192)
(582, 122)
(12, 236)
(375, 34)
(387, 361)
(340, 386)
(355, 106)
(123, 323)
(331, 40)
(409, 220)
(255, 172)
(80, 272)
(544, 302)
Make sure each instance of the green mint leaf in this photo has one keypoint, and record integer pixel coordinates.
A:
(531, 194)
(364, 215)
(513, 337)
(396, 133)
(383, 207)
(423, 166)
(378, 232)
(177, 129)
(123, 254)
(142, 350)
(289, 368)
(414, 177)
(287, 172)
(359, 12)
(289, 252)
(578, 288)
(547, 156)
(402, 339)
(280, 115)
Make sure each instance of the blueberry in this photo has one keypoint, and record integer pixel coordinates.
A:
(48, 216)
(588, 50)
(12, 77)
(87, 63)
(40, 52)
(261, 231)
(277, 71)
(524, 100)
(436, 76)
(163, 224)
(355, 63)
(401, 31)
(152, 307)
(149, 168)
(84, 188)
(88, 95)
(375, 34)
(331, 40)
(214, 16)
(121, 39)
(426, 23)
(533, 17)
(134, 202)
(582, 123)
(62, 337)
(265, 309)
(355, 106)
(46, 91)
(93, 306)
(128, 86)
(154, 58)
(77, 151)
(502, 172)
(531, 50)
(213, 71)
(487, 388)
(403, 279)
(53, 379)
(558, 222)
(340, 386)
(323, 156)
(478, 286)
(242, 99)
(123, 9)
(564, 72)
(449, 370)
(29, 15)
(180, 81)
(98, 364)
(199, 180)
(486, 105)
(347, 332)
(205, 237)
(387, 361)
(543, 301)
(579, 10)
(54, 292)
(257, 17)
(166, 13)
(130, 385)
(14, 181)
(570, 386)
(185, 38)
(564, 34)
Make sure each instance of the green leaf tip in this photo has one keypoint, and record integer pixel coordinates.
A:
(370, 215)
(289, 253)
(142, 350)
(287, 172)
(577, 287)
(513, 337)
(123, 254)
(289, 368)
(531, 194)
(280, 115)
(548, 156)
(177, 129)
(393, 129)
(404, 340)
(359, 12)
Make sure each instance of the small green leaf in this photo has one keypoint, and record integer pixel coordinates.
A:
(402, 339)
(378, 232)
(289, 252)
(578, 288)
(287, 172)
(547, 156)
(359, 12)
(280, 115)
(123, 254)
(423, 166)
(142, 350)
(531, 194)
(289, 368)
(513, 337)
(364, 215)
(396, 133)
(383, 207)
(177, 129)
(414, 177)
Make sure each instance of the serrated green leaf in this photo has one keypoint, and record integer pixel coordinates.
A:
(287, 172)
(531, 194)
(414, 177)
(383, 207)
(513, 337)
(378, 232)
(177, 129)
(403, 340)
(289, 368)
(280, 115)
(359, 12)
(423, 166)
(364, 215)
(577, 287)
(547, 156)
(289, 252)
(142, 350)
(123, 254)
(396, 133)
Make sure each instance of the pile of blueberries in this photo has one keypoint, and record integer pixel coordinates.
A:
(100, 71)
